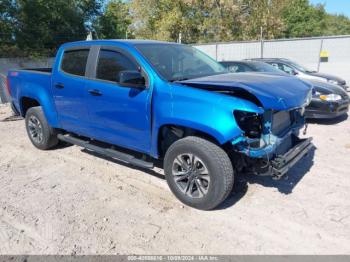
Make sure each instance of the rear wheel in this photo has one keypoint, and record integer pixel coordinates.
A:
(40, 133)
(198, 172)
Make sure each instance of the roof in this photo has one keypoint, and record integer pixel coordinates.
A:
(232, 61)
(121, 41)
(268, 59)
(245, 61)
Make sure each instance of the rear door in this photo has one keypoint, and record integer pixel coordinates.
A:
(119, 115)
(69, 90)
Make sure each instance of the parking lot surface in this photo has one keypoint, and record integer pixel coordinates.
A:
(69, 201)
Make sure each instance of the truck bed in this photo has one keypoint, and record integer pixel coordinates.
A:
(31, 82)
(39, 69)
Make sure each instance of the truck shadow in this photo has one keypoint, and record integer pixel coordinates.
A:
(285, 185)
(242, 181)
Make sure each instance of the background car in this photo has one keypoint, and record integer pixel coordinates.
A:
(249, 66)
(328, 101)
(293, 68)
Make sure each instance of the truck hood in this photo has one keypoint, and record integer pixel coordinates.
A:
(272, 90)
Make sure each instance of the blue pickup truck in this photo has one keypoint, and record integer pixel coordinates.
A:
(138, 101)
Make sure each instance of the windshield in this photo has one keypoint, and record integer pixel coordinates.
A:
(263, 67)
(176, 62)
(300, 67)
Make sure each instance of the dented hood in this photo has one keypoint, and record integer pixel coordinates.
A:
(273, 90)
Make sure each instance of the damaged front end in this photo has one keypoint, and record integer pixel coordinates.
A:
(269, 144)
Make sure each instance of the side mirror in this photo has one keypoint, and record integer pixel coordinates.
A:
(132, 79)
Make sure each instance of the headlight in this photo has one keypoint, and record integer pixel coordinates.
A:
(250, 123)
(330, 97)
(316, 94)
(334, 82)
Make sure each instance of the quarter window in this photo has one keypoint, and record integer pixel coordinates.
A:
(111, 63)
(74, 61)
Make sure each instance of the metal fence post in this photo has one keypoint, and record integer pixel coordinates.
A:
(261, 43)
(319, 56)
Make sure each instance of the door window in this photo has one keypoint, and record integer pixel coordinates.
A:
(74, 61)
(237, 68)
(111, 63)
(287, 69)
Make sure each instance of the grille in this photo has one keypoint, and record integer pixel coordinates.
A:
(280, 122)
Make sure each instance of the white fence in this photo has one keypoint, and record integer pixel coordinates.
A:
(305, 51)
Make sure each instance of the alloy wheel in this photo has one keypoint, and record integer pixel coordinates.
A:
(191, 175)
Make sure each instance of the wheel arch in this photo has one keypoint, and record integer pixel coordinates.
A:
(26, 103)
(169, 133)
(43, 100)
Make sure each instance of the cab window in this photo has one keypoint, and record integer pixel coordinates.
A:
(111, 63)
(74, 61)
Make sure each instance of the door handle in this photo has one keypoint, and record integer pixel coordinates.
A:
(59, 85)
(95, 92)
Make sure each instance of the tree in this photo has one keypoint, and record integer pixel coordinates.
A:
(265, 14)
(38, 27)
(46, 24)
(7, 23)
(115, 21)
(303, 20)
(196, 20)
(337, 25)
(153, 19)
(218, 20)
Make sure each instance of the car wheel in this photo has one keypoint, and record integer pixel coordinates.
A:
(198, 172)
(40, 133)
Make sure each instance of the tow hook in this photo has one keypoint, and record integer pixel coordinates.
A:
(305, 129)
(277, 177)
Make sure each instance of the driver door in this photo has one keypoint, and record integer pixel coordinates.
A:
(118, 115)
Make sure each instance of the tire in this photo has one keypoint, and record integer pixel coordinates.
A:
(199, 160)
(39, 132)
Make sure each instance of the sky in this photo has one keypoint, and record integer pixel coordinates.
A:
(335, 6)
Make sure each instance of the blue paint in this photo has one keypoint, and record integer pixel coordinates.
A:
(132, 117)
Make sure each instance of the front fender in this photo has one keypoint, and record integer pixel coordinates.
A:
(205, 111)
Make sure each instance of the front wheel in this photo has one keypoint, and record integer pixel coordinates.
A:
(39, 131)
(198, 172)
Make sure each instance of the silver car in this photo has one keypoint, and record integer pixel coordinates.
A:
(293, 68)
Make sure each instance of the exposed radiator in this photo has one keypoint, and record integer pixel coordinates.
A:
(280, 122)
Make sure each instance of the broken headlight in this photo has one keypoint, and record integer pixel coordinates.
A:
(250, 123)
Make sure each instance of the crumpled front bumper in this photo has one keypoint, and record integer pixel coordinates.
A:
(278, 164)
(282, 163)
